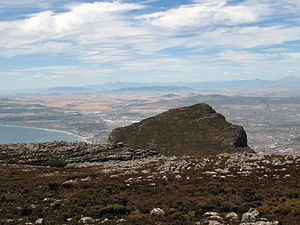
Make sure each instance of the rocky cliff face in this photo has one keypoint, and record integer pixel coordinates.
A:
(193, 130)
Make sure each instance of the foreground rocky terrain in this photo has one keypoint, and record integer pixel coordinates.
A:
(78, 183)
(191, 130)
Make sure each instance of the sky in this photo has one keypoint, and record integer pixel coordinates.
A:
(47, 43)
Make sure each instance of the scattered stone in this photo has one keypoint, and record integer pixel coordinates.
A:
(86, 219)
(232, 216)
(70, 182)
(178, 176)
(250, 216)
(86, 179)
(39, 221)
(157, 212)
(105, 220)
(208, 214)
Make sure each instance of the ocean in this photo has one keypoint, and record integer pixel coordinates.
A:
(18, 134)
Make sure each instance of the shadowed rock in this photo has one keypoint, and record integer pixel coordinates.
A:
(193, 130)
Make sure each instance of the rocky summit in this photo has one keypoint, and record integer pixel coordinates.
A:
(193, 130)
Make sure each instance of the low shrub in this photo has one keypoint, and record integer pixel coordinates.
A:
(110, 211)
(283, 210)
(53, 186)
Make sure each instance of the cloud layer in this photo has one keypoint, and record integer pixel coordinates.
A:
(115, 37)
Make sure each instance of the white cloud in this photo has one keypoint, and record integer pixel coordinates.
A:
(83, 24)
(24, 3)
(293, 55)
(206, 13)
(243, 56)
(49, 68)
(111, 37)
(245, 37)
(9, 73)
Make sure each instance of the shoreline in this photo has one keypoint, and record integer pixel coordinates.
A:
(46, 129)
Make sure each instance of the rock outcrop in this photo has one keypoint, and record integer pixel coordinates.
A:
(61, 153)
(193, 130)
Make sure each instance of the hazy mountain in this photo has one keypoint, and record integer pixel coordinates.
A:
(154, 88)
(287, 82)
(69, 89)
(284, 83)
(290, 83)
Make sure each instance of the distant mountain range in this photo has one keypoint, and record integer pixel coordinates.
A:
(154, 88)
(290, 83)
(285, 83)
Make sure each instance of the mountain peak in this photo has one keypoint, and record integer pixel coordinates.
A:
(192, 130)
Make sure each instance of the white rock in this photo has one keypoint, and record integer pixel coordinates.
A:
(213, 222)
(232, 216)
(211, 214)
(157, 212)
(86, 179)
(219, 218)
(39, 221)
(250, 216)
(70, 182)
(86, 219)
(178, 176)
(114, 176)
(210, 172)
(145, 171)
(105, 220)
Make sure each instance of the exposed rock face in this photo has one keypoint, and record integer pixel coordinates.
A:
(193, 130)
(63, 153)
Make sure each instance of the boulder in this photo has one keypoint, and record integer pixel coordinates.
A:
(39, 221)
(213, 222)
(86, 219)
(157, 212)
(250, 216)
(232, 216)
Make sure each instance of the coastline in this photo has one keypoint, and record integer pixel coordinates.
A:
(46, 129)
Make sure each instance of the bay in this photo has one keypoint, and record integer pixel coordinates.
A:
(18, 134)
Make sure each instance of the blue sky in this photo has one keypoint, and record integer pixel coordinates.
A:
(45, 43)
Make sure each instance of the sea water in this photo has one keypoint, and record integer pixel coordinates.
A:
(18, 134)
